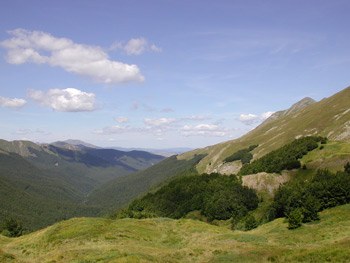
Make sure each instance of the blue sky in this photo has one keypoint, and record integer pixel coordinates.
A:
(163, 73)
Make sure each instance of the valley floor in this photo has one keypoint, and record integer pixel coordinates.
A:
(167, 240)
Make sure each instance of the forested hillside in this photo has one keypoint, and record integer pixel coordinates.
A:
(43, 184)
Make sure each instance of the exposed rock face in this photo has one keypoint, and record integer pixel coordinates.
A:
(265, 181)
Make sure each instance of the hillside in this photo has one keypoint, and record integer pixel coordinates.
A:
(41, 184)
(120, 191)
(329, 117)
(166, 240)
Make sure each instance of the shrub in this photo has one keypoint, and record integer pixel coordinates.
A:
(295, 218)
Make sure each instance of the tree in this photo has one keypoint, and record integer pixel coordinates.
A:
(295, 218)
(12, 228)
(311, 206)
(250, 222)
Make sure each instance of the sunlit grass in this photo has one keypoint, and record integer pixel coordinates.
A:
(185, 240)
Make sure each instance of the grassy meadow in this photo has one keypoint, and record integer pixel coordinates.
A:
(184, 240)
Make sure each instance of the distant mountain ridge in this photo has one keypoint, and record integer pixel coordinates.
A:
(167, 152)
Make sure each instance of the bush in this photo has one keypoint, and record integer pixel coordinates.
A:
(295, 218)
(12, 228)
(250, 222)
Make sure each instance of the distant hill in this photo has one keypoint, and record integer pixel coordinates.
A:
(41, 184)
(167, 152)
(75, 143)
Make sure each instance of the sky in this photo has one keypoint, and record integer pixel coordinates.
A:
(164, 73)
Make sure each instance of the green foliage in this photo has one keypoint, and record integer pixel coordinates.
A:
(250, 222)
(11, 228)
(325, 190)
(295, 218)
(243, 155)
(284, 158)
(217, 197)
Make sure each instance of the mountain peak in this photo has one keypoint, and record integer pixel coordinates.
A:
(299, 105)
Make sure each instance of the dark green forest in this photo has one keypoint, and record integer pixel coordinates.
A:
(215, 196)
(284, 158)
(244, 155)
(300, 202)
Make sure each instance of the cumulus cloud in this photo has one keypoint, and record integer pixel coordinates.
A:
(121, 119)
(250, 119)
(203, 130)
(136, 46)
(42, 48)
(14, 103)
(67, 100)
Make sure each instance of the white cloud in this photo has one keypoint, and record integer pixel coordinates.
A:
(116, 129)
(159, 122)
(91, 61)
(250, 118)
(154, 48)
(121, 119)
(12, 103)
(136, 46)
(196, 118)
(203, 130)
(68, 100)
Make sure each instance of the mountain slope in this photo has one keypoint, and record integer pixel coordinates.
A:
(34, 197)
(165, 240)
(120, 191)
(41, 184)
(329, 117)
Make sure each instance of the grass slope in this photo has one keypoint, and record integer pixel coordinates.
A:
(329, 117)
(165, 240)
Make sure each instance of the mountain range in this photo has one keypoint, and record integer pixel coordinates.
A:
(44, 183)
